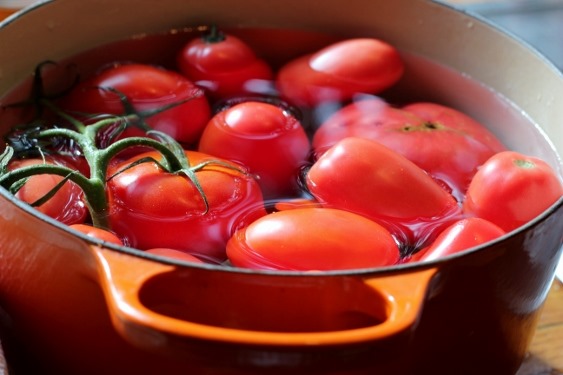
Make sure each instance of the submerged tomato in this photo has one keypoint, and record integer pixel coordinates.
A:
(146, 87)
(305, 239)
(511, 189)
(340, 71)
(151, 208)
(66, 205)
(363, 176)
(98, 233)
(265, 138)
(445, 142)
(174, 254)
(224, 65)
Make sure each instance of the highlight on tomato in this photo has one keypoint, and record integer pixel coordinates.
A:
(340, 71)
(151, 208)
(224, 65)
(309, 239)
(166, 100)
(446, 143)
(512, 188)
(265, 138)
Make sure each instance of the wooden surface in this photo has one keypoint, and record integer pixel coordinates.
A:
(546, 351)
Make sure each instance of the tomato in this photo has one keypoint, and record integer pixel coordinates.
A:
(365, 177)
(461, 235)
(98, 233)
(174, 254)
(339, 71)
(511, 188)
(224, 65)
(147, 88)
(265, 138)
(66, 205)
(151, 208)
(445, 142)
(312, 239)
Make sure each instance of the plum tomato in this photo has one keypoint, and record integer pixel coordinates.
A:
(67, 205)
(224, 65)
(443, 141)
(365, 177)
(339, 71)
(174, 254)
(98, 233)
(151, 208)
(459, 236)
(308, 239)
(147, 88)
(265, 138)
(511, 189)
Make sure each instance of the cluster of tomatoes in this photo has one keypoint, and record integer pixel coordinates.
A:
(369, 185)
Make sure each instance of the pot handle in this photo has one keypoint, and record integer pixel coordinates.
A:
(123, 276)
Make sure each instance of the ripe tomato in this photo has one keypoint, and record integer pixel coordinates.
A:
(340, 71)
(98, 233)
(511, 189)
(312, 239)
(444, 142)
(363, 176)
(263, 137)
(174, 254)
(151, 208)
(146, 87)
(461, 235)
(224, 65)
(66, 205)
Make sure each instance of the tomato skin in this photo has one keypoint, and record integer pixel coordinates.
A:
(98, 233)
(511, 188)
(174, 254)
(150, 208)
(304, 239)
(265, 138)
(224, 68)
(67, 205)
(445, 142)
(460, 236)
(340, 71)
(147, 87)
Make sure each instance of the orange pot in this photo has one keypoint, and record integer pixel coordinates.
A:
(71, 305)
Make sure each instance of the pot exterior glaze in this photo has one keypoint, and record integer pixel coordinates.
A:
(75, 307)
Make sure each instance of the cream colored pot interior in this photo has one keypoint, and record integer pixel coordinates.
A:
(61, 28)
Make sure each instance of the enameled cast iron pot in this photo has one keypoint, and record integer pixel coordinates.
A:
(74, 306)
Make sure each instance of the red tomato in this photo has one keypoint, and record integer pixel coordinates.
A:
(441, 140)
(66, 206)
(511, 189)
(461, 235)
(174, 254)
(147, 88)
(305, 239)
(98, 233)
(365, 177)
(224, 65)
(265, 138)
(151, 208)
(340, 71)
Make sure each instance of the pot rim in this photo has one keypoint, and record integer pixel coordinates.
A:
(387, 270)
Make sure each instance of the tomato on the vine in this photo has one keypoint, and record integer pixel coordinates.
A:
(443, 141)
(339, 71)
(265, 138)
(152, 208)
(224, 65)
(306, 239)
(66, 205)
(363, 176)
(511, 188)
(147, 88)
